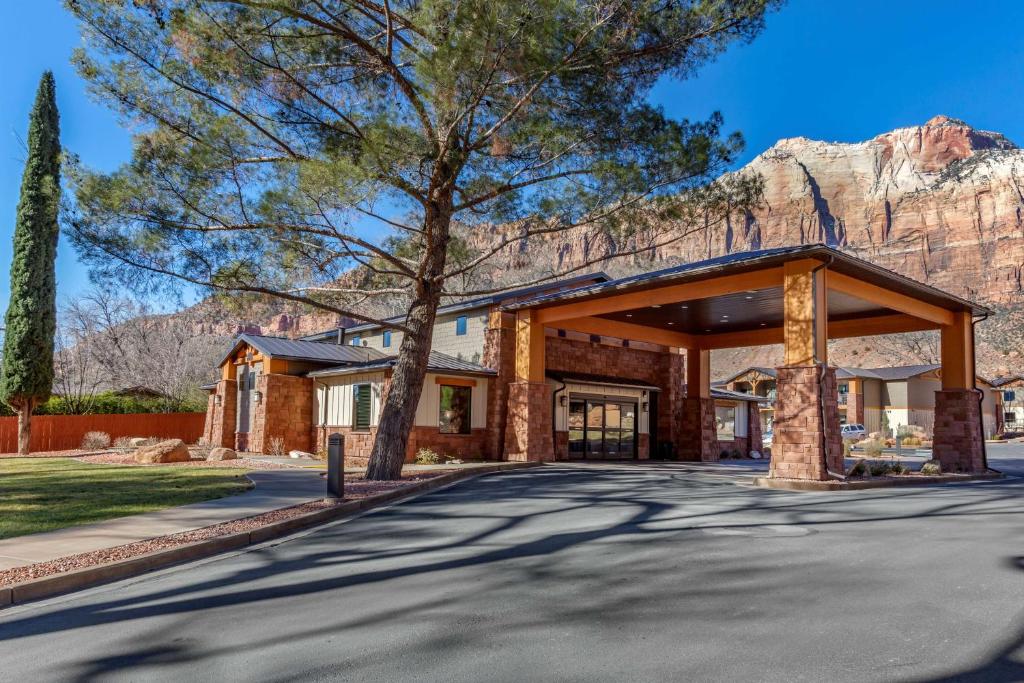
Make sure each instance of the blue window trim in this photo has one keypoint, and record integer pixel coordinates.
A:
(355, 340)
(461, 325)
(387, 338)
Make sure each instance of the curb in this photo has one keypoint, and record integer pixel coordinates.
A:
(862, 484)
(87, 577)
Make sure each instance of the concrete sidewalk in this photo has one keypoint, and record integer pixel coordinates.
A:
(274, 489)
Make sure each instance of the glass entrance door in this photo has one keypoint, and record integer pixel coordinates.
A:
(602, 429)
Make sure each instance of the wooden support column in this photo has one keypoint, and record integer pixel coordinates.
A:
(958, 353)
(805, 300)
(958, 442)
(698, 373)
(529, 347)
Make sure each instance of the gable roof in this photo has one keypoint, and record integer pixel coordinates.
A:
(739, 262)
(478, 302)
(310, 351)
(437, 362)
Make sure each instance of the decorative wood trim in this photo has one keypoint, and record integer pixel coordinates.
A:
(455, 381)
(889, 299)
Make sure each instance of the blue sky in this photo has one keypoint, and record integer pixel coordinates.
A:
(823, 69)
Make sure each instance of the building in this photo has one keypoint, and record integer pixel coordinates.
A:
(905, 395)
(1010, 396)
(599, 368)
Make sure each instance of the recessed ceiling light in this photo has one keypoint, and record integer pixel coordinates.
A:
(671, 323)
(656, 306)
(685, 306)
(707, 330)
(629, 315)
(749, 298)
(764, 324)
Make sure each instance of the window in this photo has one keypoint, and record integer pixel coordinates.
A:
(725, 422)
(387, 339)
(455, 409)
(361, 398)
(355, 340)
(1010, 418)
(460, 325)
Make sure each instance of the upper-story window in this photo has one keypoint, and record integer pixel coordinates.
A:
(461, 324)
(356, 340)
(386, 339)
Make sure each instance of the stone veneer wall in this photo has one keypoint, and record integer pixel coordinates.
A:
(698, 438)
(499, 355)
(958, 443)
(359, 444)
(286, 411)
(855, 408)
(798, 429)
(528, 433)
(220, 421)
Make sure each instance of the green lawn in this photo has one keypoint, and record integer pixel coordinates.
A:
(43, 494)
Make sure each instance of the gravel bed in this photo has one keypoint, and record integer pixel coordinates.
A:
(129, 459)
(355, 488)
(74, 452)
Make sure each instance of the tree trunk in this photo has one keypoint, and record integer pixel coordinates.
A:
(403, 395)
(25, 427)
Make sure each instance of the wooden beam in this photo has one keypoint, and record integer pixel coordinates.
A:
(529, 347)
(805, 328)
(455, 381)
(698, 373)
(621, 330)
(958, 353)
(878, 325)
(889, 299)
(668, 294)
(735, 340)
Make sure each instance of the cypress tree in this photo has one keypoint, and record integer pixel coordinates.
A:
(26, 373)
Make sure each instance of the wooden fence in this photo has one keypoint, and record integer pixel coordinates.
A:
(64, 432)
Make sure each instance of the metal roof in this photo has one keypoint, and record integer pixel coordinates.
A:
(589, 378)
(751, 260)
(438, 362)
(471, 304)
(297, 349)
(737, 395)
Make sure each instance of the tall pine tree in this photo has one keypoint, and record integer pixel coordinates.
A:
(26, 374)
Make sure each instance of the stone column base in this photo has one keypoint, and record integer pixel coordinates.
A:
(803, 447)
(958, 441)
(528, 433)
(698, 438)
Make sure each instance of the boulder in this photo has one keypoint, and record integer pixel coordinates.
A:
(222, 454)
(300, 454)
(172, 450)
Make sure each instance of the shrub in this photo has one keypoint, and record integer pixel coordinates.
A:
(426, 456)
(123, 442)
(879, 469)
(873, 447)
(931, 467)
(859, 469)
(735, 453)
(276, 446)
(94, 441)
(912, 441)
(846, 449)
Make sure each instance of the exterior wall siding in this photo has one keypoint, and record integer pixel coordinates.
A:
(469, 346)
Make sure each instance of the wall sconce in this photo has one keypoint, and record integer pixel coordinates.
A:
(257, 396)
(643, 406)
(217, 400)
(563, 400)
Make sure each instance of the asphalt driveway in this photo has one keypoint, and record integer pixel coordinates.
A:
(590, 573)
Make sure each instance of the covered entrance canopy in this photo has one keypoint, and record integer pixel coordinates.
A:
(796, 296)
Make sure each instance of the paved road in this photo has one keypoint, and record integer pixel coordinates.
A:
(579, 573)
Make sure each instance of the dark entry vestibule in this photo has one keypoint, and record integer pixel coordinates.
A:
(602, 429)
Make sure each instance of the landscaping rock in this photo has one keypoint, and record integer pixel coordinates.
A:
(172, 450)
(222, 454)
(931, 467)
(300, 454)
(756, 455)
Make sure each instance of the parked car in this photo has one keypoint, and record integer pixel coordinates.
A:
(853, 432)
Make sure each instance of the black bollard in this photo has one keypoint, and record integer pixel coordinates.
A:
(336, 465)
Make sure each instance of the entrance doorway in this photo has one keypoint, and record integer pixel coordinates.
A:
(602, 429)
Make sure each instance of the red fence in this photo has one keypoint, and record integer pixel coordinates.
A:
(64, 432)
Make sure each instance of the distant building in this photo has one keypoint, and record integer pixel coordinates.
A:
(1010, 394)
(905, 394)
